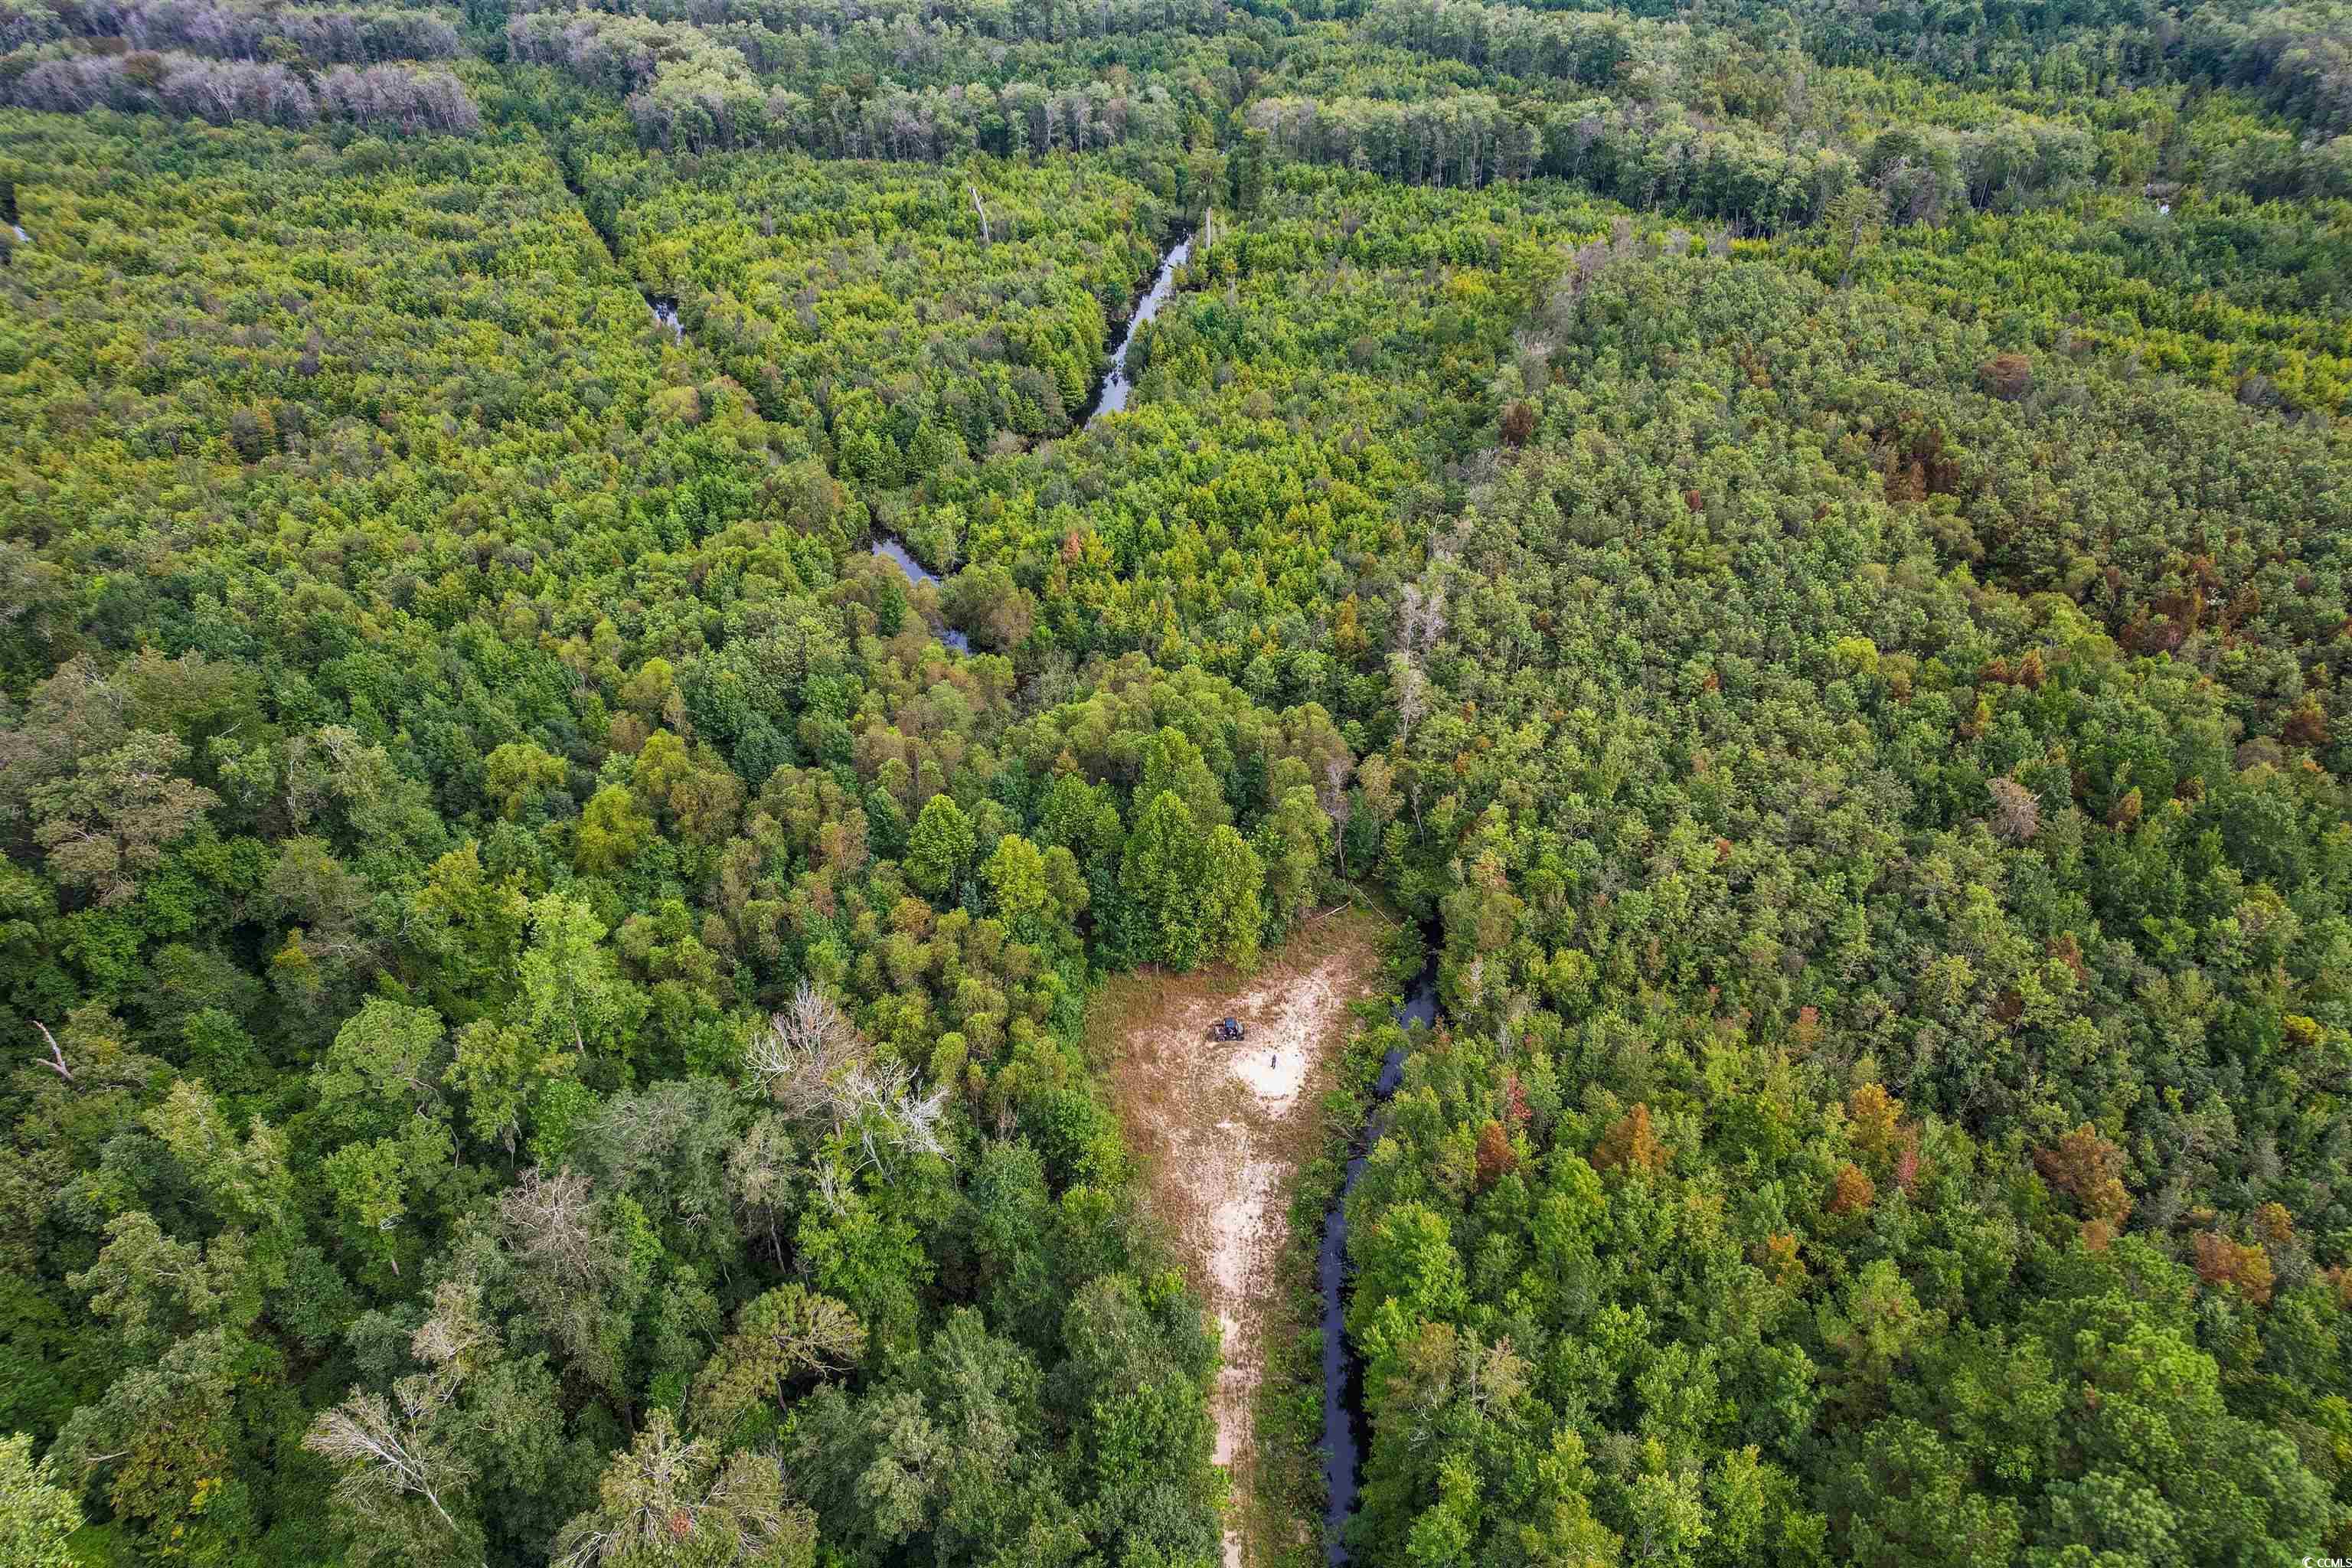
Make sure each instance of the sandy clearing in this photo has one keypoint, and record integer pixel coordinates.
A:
(1224, 1126)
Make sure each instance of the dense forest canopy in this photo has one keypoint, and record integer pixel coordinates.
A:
(1808, 549)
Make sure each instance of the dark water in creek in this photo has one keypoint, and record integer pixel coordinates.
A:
(891, 548)
(1115, 387)
(1343, 1370)
(1112, 398)
(665, 311)
(1344, 1432)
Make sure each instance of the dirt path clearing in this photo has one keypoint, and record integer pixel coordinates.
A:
(1224, 1127)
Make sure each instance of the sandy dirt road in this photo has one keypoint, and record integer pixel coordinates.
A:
(1223, 1128)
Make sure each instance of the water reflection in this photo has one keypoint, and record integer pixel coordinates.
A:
(890, 548)
(664, 311)
(1116, 386)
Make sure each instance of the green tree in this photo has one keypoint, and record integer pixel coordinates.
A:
(939, 846)
(1293, 843)
(499, 1069)
(1233, 917)
(1019, 887)
(383, 1069)
(574, 996)
(1163, 873)
(108, 822)
(166, 1442)
(1172, 764)
(155, 1289)
(778, 1337)
(522, 778)
(613, 832)
(470, 925)
(36, 1515)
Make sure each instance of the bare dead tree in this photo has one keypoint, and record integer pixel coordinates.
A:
(570, 1263)
(662, 1492)
(884, 1107)
(829, 1187)
(760, 1180)
(1495, 1376)
(981, 208)
(57, 1062)
(1409, 692)
(1421, 620)
(389, 1448)
(816, 1066)
(2017, 813)
(455, 1330)
(1532, 354)
(1333, 798)
(553, 1223)
(800, 1057)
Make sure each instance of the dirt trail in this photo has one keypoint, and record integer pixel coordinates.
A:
(1225, 1126)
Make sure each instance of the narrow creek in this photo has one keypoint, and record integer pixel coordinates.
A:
(1344, 1431)
(893, 549)
(1110, 399)
(664, 311)
(1116, 386)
